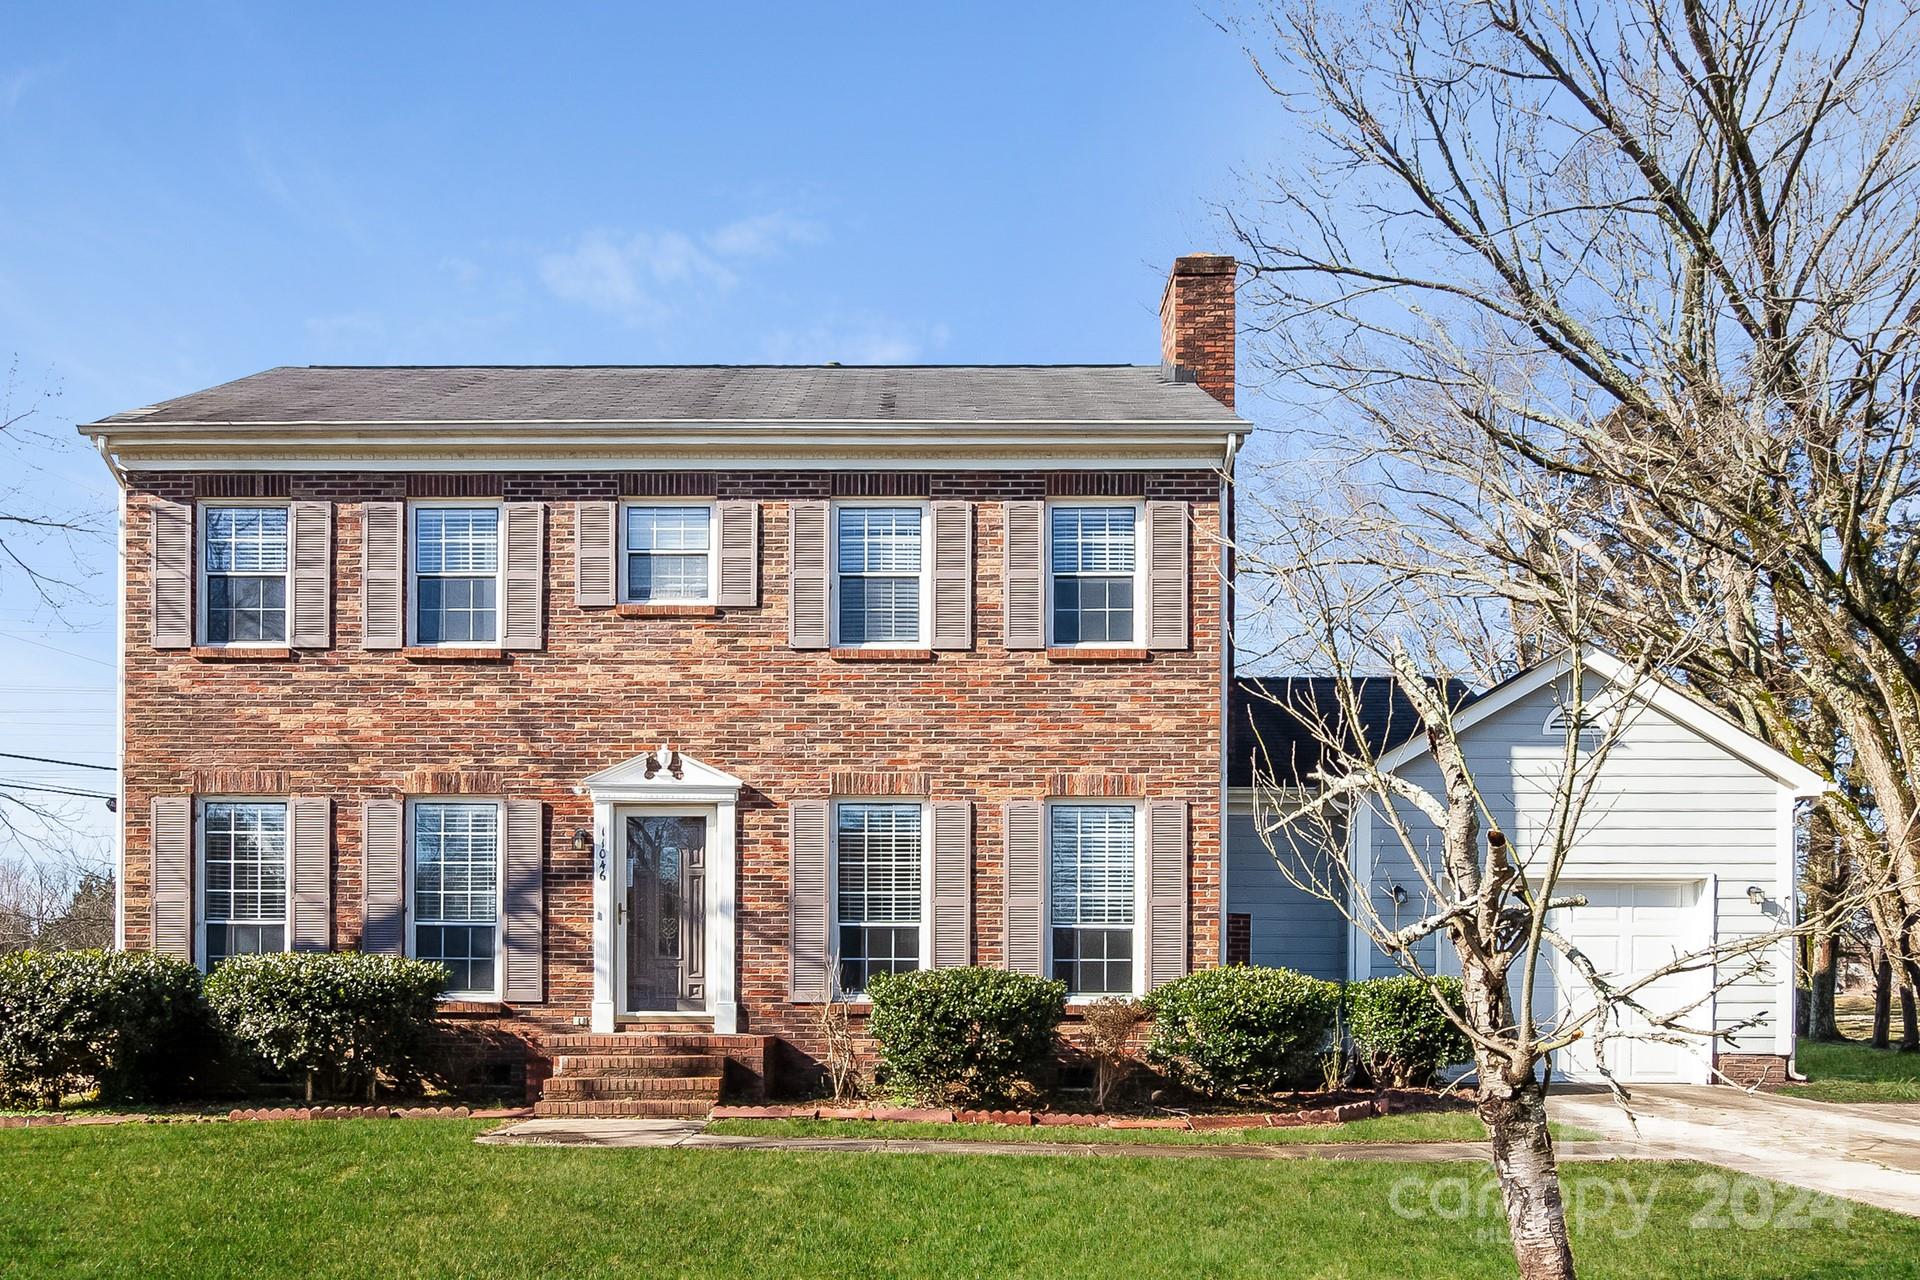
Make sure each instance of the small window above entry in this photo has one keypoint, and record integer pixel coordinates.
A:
(667, 553)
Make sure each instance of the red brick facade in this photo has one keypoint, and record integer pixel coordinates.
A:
(985, 725)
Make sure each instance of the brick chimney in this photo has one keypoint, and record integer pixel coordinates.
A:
(1196, 321)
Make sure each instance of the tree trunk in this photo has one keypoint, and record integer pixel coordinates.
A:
(1821, 1023)
(1882, 995)
(1516, 1117)
(1909, 1026)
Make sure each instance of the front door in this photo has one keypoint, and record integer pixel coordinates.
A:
(664, 912)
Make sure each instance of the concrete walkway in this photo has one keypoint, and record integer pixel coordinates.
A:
(573, 1132)
(1864, 1152)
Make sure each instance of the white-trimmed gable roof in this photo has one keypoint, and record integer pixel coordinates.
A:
(662, 774)
(1654, 691)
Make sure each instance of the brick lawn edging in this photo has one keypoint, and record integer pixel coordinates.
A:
(1341, 1114)
(270, 1113)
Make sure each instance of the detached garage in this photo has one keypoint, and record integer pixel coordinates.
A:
(1687, 840)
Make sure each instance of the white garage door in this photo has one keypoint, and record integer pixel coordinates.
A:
(1628, 929)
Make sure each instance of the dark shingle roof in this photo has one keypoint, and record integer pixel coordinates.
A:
(695, 393)
(1274, 720)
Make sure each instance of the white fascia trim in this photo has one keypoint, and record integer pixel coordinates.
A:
(1651, 689)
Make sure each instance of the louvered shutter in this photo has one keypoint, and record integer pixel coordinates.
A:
(1024, 908)
(523, 555)
(1167, 574)
(807, 576)
(383, 582)
(595, 553)
(1024, 577)
(738, 539)
(952, 575)
(310, 820)
(525, 898)
(383, 877)
(171, 837)
(807, 900)
(171, 621)
(1166, 891)
(310, 614)
(952, 884)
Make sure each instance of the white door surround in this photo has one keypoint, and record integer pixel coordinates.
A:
(664, 781)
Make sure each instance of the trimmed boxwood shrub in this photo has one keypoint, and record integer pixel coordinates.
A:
(130, 1023)
(964, 1035)
(1240, 1029)
(1398, 1028)
(337, 1019)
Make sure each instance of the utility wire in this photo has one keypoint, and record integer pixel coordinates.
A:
(9, 784)
(13, 755)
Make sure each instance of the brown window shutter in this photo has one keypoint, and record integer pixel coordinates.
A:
(171, 621)
(310, 823)
(525, 897)
(383, 876)
(595, 553)
(1166, 948)
(952, 884)
(310, 613)
(738, 538)
(383, 580)
(1167, 588)
(524, 554)
(952, 575)
(171, 836)
(1026, 885)
(807, 576)
(807, 954)
(1025, 575)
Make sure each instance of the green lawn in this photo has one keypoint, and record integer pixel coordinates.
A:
(1855, 1072)
(419, 1198)
(1447, 1126)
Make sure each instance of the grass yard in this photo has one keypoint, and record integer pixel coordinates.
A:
(1855, 1072)
(418, 1198)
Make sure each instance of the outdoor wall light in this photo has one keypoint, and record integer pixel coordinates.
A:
(1756, 895)
(582, 840)
(1399, 892)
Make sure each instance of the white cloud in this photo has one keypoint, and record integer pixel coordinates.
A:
(854, 341)
(643, 276)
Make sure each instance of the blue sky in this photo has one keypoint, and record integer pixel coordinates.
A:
(194, 192)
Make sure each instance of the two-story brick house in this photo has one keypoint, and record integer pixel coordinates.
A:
(668, 699)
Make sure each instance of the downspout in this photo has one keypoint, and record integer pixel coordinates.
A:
(1226, 668)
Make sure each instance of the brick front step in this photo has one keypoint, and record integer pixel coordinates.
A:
(656, 1108)
(639, 1064)
(643, 1042)
(566, 1088)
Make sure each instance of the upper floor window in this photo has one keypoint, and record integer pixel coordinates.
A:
(1092, 854)
(879, 568)
(244, 596)
(1094, 563)
(456, 575)
(669, 554)
(243, 878)
(878, 890)
(1591, 731)
(456, 892)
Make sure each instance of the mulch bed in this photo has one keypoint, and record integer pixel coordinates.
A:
(264, 1113)
(1296, 1109)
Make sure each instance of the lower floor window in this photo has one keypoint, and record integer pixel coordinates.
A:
(877, 891)
(244, 864)
(456, 892)
(1091, 897)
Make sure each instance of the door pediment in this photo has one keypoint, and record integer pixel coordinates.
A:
(662, 774)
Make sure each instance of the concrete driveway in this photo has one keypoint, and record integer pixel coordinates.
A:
(1868, 1153)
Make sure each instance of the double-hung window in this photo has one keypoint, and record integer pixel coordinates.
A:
(878, 897)
(1094, 561)
(879, 566)
(669, 553)
(244, 556)
(456, 575)
(243, 877)
(456, 892)
(1091, 907)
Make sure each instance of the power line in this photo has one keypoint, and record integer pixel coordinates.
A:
(9, 784)
(77, 764)
(54, 648)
